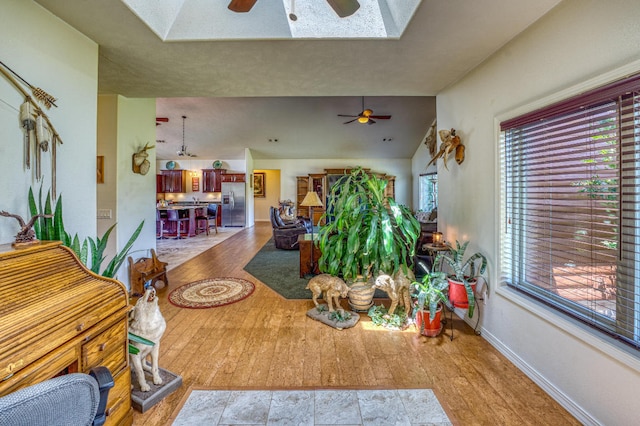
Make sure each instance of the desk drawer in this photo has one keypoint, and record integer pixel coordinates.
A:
(119, 401)
(109, 348)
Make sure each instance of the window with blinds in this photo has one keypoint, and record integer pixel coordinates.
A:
(571, 207)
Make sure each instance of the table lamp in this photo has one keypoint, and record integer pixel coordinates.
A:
(311, 200)
(437, 239)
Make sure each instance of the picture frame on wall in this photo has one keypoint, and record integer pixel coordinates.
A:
(100, 169)
(259, 185)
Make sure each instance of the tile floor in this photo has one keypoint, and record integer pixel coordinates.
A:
(176, 252)
(409, 407)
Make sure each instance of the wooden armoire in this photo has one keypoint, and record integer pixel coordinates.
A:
(57, 317)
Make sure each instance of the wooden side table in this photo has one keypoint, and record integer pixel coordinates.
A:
(306, 246)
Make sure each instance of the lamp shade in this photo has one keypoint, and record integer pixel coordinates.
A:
(311, 200)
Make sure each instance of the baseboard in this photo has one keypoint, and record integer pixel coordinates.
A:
(567, 403)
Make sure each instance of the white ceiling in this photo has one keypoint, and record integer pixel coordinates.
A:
(244, 92)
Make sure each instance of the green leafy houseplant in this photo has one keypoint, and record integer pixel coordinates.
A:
(366, 232)
(429, 292)
(52, 228)
(463, 272)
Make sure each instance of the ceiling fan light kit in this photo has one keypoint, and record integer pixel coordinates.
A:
(365, 117)
(342, 8)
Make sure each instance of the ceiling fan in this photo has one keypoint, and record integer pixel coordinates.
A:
(365, 117)
(343, 8)
(183, 149)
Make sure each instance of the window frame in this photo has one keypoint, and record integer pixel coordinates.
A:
(558, 102)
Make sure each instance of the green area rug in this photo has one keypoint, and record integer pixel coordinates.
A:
(280, 270)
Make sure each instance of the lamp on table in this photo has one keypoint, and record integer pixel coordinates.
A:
(311, 200)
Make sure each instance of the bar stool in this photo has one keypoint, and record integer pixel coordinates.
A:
(161, 218)
(212, 214)
(200, 217)
(174, 216)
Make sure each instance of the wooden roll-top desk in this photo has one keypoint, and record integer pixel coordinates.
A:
(57, 317)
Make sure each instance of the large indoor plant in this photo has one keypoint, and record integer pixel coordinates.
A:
(429, 294)
(463, 274)
(365, 232)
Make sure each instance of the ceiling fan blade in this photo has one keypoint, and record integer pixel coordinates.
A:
(370, 121)
(241, 6)
(350, 121)
(380, 117)
(344, 8)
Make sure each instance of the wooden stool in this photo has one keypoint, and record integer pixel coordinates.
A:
(200, 216)
(174, 216)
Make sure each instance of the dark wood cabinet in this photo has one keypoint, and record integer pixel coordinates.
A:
(212, 180)
(173, 181)
(233, 177)
(313, 182)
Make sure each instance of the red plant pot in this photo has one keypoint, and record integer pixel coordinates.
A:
(458, 293)
(431, 328)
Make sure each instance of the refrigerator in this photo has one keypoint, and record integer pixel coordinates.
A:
(233, 204)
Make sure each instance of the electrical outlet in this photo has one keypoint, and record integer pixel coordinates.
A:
(104, 213)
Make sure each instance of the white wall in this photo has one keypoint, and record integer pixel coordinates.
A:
(576, 42)
(290, 168)
(136, 194)
(271, 192)
(49, 54)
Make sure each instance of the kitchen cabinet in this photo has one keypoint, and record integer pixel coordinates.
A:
(212, 180)
(173, 181)
(233, 177)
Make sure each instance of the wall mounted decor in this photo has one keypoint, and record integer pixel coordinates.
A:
(140, 164)
(36, 124)
(100, 169)
(259, 185)
(450, 143)
(195, 184)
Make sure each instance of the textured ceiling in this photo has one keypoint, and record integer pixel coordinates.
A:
(443, 41)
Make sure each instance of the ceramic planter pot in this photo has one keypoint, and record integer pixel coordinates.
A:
(458, 293)
(431, 328)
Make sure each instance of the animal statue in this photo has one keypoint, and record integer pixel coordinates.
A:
(328, 287)
(147, 321)
(397, 288)
(26, 234)
(450, 143)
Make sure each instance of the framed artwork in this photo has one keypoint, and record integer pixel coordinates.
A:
(258, 185)
(195, 184)
(100, 169)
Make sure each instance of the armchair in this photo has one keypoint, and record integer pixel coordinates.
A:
(285, 236)
(70, 399)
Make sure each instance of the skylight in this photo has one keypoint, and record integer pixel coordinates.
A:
(191, 20)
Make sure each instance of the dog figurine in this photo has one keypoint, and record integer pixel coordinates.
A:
(147, 321)
(332, 287)
(397, 287)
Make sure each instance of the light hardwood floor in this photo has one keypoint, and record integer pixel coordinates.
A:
(267, 342)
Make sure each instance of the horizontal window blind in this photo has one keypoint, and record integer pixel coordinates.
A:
(570, 203)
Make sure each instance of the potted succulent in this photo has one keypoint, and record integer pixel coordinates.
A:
(464, 274)
(365, 233)
(429, 294)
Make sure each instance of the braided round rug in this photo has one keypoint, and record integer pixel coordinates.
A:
(211, 293)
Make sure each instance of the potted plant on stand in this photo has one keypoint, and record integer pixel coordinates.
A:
(429, 295)
(464, 275)
(365, 233)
